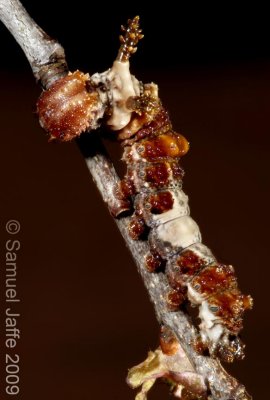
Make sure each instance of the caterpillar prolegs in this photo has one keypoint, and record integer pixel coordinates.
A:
(152, 189)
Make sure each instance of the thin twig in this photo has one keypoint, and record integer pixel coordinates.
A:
(47, 60)
(45, 55)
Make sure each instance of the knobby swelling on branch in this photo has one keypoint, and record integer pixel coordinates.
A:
(134, 112)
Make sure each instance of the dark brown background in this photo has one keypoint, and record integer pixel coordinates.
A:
(85, 316)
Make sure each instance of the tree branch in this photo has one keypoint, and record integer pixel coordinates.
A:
(47, 60)
(45, 55)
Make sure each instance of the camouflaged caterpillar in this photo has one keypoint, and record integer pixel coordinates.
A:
(152, 189)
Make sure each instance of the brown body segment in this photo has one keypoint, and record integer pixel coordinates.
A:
(230, 306)
(151, 177)
(163, 174)
(213, 279)
(160, 202)
(183, 267)
(189, 263)
(157, 175)
(165, 146)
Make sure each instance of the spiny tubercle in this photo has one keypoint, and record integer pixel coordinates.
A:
(129, 40)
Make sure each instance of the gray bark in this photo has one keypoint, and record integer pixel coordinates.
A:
(45, 55)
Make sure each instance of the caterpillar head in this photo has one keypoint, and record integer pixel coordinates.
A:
(74, 103)
(69, 107)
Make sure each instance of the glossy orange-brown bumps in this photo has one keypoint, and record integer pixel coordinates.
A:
(182, 268)
(69, 107)
(230, 306)
(158, 174)
(160, 202)
(153, 261)
(213, 279)
(163, 146)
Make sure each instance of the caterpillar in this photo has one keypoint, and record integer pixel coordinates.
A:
(152, 189)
